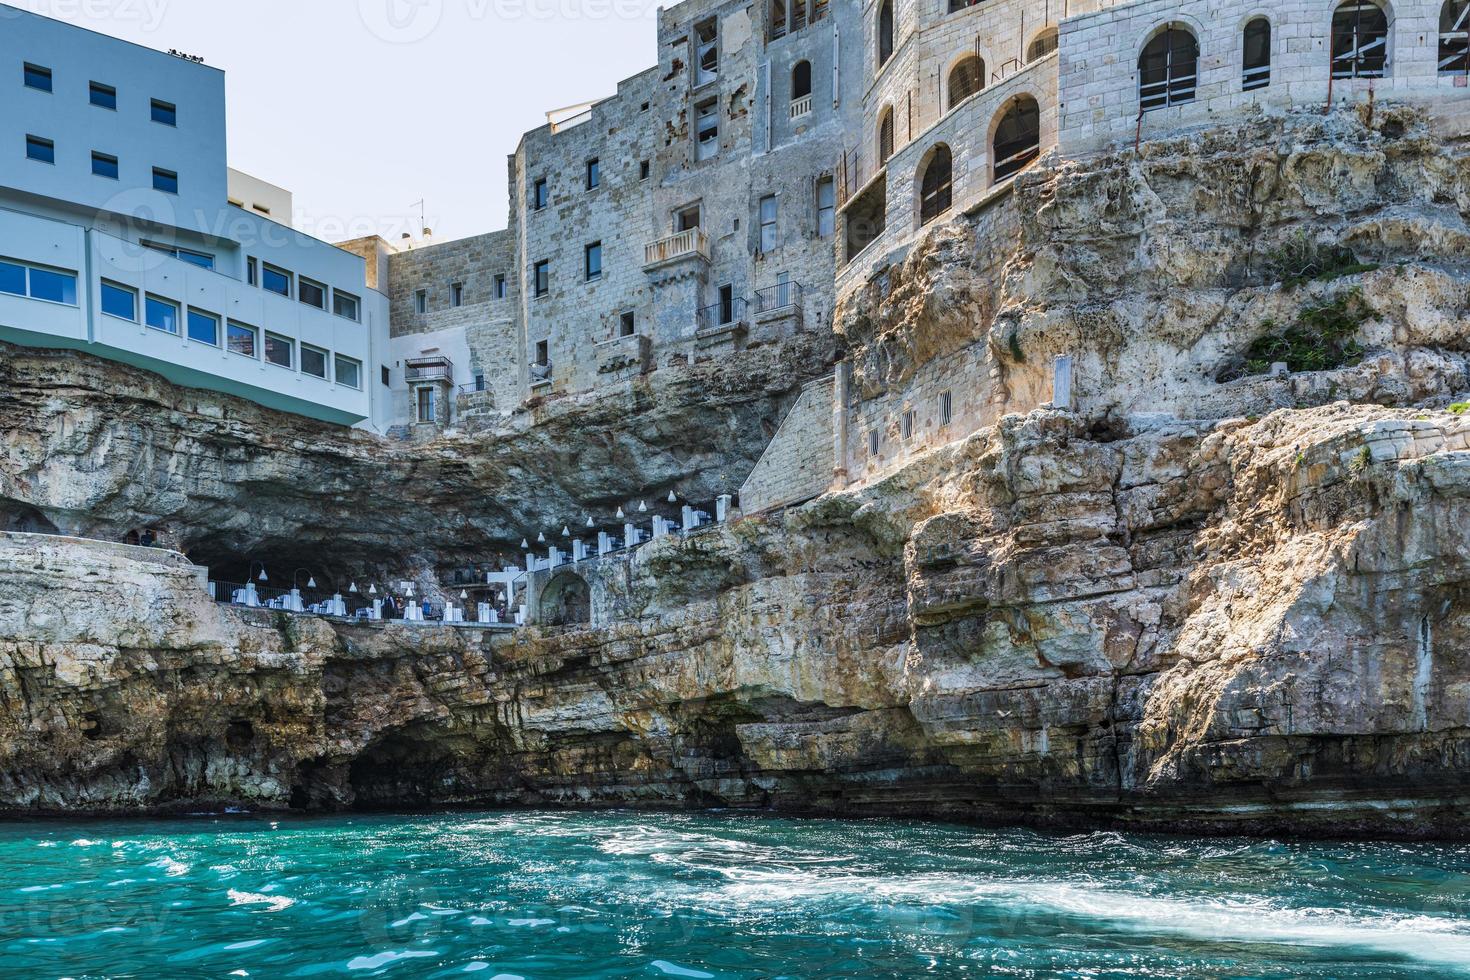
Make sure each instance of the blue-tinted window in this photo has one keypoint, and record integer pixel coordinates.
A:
(12, 278)
(104, 165)
(119, 302)
(40, 149)
(276, 281)
(165, 180)
(203, 328)
(200, 259)
(349, 372)
(162, 315)
(280, 351)
(38, 77)
(345, 305)
(242, 339)
(313, 361)
(594, 261)
(103, 96)
(540, 197)
(594, 175)
(165, 112)
(54, 287)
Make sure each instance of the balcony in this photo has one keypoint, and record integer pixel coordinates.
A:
(720, 316)
(419, 369)
(625, 357)
(693, 243)
(777, 312)
(801, 107)
(778, 298)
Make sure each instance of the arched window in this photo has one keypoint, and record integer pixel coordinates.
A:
(885, 33)
(801, 80)
(1454, 38)
(1017, 138)
(1168, 69)
(936, 193)
(1045, 44)
(885, 136)
(965, 79)
(1256, 66)
(1359, 40)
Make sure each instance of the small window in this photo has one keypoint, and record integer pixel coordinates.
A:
(885, 33)
(103, 96)
(946, 409)
(706, 51)
(386, 374)
(37, 77)
(1046, 43)
(707, 128)
(643, 170)
(425, 404)
(593, 261)
(314, 361)
(874, 444)
(252, 271)
(119, 301)
(543, 353)
(687, 219)
(627, 324)
(456, 294)
(242, 339)
(885, 137)
(1454, 37)
(594, 174)
(204, 327)
(768, 215)
(801, 81)
(201, 259)
(276, 280)
(1256, 69)
(908, 425)
(41, 150)
(421, 301)
(936, 190)
(965, 79)
(500, 292)
(826, 207)
(161, 314)
(540, 195)
(165, 180)
(165, 112)
(543, 278)
(345, 305)
(349, 372)
(280, 351)
(312, 294)
(53, 286)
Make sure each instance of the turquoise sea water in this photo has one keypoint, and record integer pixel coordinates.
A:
(554, 895)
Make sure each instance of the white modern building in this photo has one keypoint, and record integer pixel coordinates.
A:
(118, 236)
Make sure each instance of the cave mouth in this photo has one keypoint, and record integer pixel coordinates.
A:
(406, 770)
(25, 519)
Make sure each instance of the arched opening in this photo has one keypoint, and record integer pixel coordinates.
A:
(1017, 138)
(936, 189)
(1168, 69)
(566, 601)
(1045, 43)
(801, 81)
(1256, 63)
(965, 79)
(1359, 40)
(1454, 38)
(25, 519)
(885, 136)
(885, 32)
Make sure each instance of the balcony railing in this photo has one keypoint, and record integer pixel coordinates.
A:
(801, 107)
(429, 369)
(685, 243)
(777, 297)
(722, 314)
(854, 171)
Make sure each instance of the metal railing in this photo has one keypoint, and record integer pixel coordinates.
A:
(431, 369)
(478, 387)
(777, 297)
(854, 172)
(722, 314)
(691, 242)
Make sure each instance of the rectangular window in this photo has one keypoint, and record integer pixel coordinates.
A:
(826, 207)
(104, 165)
(165, 180)
(160, 314)
(593, 261)
(500, 287)
(349, 372)
(426, 404)
(480, 382)
(908, 425)
(386, 374)
(540, 196)
(543, 278)
(202, 259)
(12, 279)
(643, 170)
(37, 77)
(706, 51)
(626, 324)
(252, 271)
(276, 280)
(456, 294)
(874, 443)
(946, 409)
(313, 361)
(707, 128)
(53, 286)
(687, 219)
(543, 353)
(40, 150)
(103, 96)
(280, 351)
(345, 305)
(768, 224)
(312, 294)
(421, 301)
(119, 301)
(242, 339)
(204, 327)
(165, 112)
(594, 174)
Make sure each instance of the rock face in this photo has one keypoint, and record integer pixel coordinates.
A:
(1209, 599)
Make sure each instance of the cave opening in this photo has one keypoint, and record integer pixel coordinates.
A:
(239, 735)
(24, 519)
(404, 769)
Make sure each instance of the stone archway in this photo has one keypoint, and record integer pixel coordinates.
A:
(566, 601)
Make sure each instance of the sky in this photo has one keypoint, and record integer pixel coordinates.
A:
(363, 107)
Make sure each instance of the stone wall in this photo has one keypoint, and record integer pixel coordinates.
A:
(798, 464)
